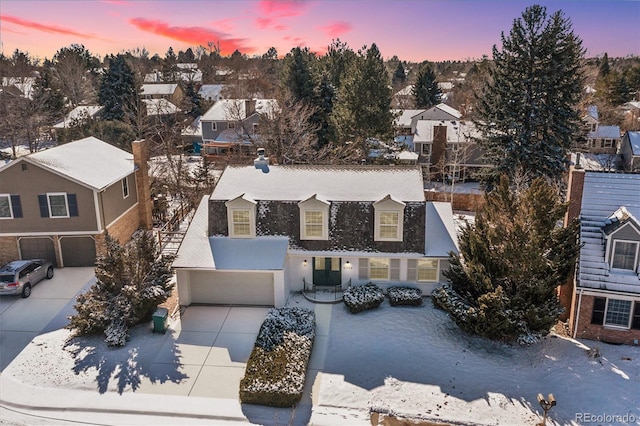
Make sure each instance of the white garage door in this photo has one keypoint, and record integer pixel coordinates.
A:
(232, 288)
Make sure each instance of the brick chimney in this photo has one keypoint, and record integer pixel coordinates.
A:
(145, 204)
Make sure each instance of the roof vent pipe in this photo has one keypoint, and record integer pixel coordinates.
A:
(261, 162)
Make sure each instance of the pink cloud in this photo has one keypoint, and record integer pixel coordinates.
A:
(226, 24)
(336, 29)
(263, 23)
(280, 27)
(43, 27)
(118, 2)
(283, 8)
(192, 35)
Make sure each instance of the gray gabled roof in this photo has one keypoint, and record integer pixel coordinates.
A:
(88, 161)
(603, 195)
(634, 141)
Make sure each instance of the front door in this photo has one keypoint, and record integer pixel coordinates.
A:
(326, 271)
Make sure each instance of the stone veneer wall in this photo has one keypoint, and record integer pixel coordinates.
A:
(586, 330)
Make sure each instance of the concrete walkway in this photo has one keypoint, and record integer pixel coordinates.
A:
(211, 345)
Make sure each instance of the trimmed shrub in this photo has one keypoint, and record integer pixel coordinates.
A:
(404, 296)
(277, 367)
(362, 298)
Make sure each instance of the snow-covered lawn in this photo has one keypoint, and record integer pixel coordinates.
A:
(414, 362)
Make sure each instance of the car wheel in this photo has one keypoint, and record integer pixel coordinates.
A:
(26, 291)
(50, 272)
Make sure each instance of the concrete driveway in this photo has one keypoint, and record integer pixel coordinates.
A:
(47, 308)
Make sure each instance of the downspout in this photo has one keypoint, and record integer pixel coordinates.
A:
(575, 326)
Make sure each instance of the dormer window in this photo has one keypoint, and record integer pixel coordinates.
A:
(241, 217)
(625, 255)
(389, 218)
(314, 219)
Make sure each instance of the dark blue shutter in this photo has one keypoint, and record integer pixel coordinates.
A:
(44, 206)
(73, 205)
(16, 206)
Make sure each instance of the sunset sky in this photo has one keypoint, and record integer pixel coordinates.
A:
(414, 30)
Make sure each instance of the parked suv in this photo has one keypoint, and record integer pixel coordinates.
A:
(18, 276)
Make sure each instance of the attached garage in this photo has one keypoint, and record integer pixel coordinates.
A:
(78, 251)
(38, 248)
(232, 288)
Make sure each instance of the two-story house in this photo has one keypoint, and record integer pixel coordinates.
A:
(606, 295)
(600, 139)
(58, 203)
(630, 151)
(233, 124)
(269, 230)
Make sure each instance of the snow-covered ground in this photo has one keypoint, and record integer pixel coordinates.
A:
(414, 362)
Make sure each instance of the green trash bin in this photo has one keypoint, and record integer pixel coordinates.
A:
(160, 320)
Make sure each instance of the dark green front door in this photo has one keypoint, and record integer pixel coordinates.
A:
(326, 271)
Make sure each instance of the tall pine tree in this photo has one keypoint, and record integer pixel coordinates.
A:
(118, 89)
(511, 261)
(527, 111)
(426, 91)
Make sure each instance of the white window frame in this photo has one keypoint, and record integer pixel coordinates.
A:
(437, 270)
(241, 204)
(388, 205)
(379, 260)
(125, 187)
(66, 204)
(635, 259)
(614, 325)
(8, 197)
(231, 125)
(314, 204)
(236, 224)
(422, 149)
(214, 125)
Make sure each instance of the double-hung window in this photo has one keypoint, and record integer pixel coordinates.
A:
(314, 218)
(389, 217)
(125, 187)
(378, 269)
(6, 212)
(620, 313)
(313, 224)
(241, 215)
(389, 222)
(625, 254)
(58, 206)
(241, 220)
(427, 269)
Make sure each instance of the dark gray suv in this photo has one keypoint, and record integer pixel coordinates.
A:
(19, 276)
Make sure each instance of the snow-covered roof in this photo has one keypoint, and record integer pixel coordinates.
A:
(80, 112)
(159, 89)
(193, 129)
(406, 91)
(195, 250)
(333, 183)
(405, 116)
(457, 131)
(257, 254)
(227, 109)
(231, 136)
(440, 232)
(631, 105)
(211, 91)
(603, 195)
(595, 162)
(592, 111)
(160, 107)
(634, 141)
(407, 156)
(445, 85)
(605, 132)
(88, 161)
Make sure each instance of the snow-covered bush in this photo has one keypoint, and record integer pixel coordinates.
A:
(117, 333)
(362, 298)
(276, 369)
(404, 296)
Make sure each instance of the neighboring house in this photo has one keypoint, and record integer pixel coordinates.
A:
(600, 139)
(78, 115)
(169, 91)
(233, 124)
(211, 92)
(268, 230)
(192, 135)
(606, 289)
(58, 203)
(21, 86)
(630, 151)
(160, 107)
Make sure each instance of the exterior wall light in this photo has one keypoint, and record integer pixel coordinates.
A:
(304, 263)
(347, 265)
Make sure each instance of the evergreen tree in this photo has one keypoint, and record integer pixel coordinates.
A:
(604, 69)
(118, 89)
(511, 261)
(527, 111)
(131, 281)
(363, 104)
(298, 75)
(192, 102)
(169, 66)
(399, 75)
(426, 90)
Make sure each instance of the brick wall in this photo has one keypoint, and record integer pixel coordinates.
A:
(8, 249)
(586, 330)
(123, 229)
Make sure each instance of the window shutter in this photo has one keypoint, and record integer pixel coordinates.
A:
(394, 269)
(73, 204)
(363, 268)
(16, 206)
(412, 274)
(635, 321)
(597, 316)
(44, 206)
